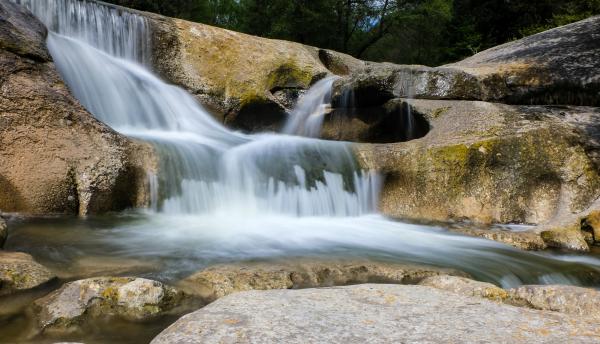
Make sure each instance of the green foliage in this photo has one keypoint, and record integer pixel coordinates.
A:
(430, 32)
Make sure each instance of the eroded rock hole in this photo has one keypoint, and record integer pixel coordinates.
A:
(382, 124)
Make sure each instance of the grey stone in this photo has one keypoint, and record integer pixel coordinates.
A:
(372, 314)
(78, 302)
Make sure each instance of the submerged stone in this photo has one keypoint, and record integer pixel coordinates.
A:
(76, 303)
(20, 272)
(367, 313)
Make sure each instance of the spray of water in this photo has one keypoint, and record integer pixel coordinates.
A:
(225, 195)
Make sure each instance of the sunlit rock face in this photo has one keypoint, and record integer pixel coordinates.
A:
(490, 163)
(56, 157)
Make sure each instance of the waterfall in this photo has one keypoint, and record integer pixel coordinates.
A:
(204, 167)
(221, 194)
(307, 117)
(119, 33)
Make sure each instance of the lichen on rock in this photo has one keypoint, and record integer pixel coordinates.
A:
(76, 303)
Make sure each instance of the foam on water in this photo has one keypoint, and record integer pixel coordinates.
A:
(221, 194)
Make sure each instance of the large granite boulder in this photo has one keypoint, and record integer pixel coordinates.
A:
(490, 163)
(77, 303)
(372, 313)
(224, 279)
(559, 66)
(20, 272)
(55, 157)
(249, 80)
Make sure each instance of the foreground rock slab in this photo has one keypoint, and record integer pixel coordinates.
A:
(134, 299)
(224, 279)
(373, 314)
(20, 272)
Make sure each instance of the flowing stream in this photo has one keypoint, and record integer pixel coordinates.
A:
(221, 195)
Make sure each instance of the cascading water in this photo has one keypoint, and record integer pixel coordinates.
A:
(223, 195)
(307, 118)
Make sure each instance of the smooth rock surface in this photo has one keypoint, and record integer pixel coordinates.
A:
(578, 301)
(372, 314)
(20, 272)
(558, 66)
(55, 157)
(466, 287)
(221, 280)
(76, 303)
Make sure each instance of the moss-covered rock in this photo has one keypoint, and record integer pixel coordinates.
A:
(77, 303)
(489, 163)
(20, 272)
(234, 72)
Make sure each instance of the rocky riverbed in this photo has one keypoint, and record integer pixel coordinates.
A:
(488, 225)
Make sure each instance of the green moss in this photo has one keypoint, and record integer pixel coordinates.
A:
(439, 111)
(289, 75)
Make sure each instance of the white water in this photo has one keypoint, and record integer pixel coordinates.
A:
(307, 118)
(225, 195)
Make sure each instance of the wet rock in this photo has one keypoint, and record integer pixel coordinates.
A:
(364, 313)
(565, 299)
(592, 221)
(128, 298)
(466, 287)
(524, 240)
(220, 280)
(489, 163)
(20, 272)
(566, 238)
(57, 159)
(3, 232)
(239, 74)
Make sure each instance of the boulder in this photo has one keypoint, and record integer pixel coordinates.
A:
(372, 313)
(57, 159)
(577, 301)
(490, 163)
(558, 66)
(221, 280)
(466, 287)
(3, 232)
(77, 303)
(238, 74)
(20, 272)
